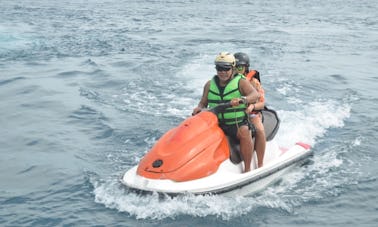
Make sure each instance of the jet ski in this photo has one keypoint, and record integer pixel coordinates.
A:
(196, 157)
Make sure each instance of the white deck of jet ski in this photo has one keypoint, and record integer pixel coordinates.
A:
(228, 179)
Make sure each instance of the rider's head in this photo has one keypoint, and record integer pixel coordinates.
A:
(242, 62)
(224, 64)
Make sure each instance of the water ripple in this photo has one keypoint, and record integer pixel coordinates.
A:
(8, 81)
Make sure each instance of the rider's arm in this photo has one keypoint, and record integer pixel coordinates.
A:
(259, 105)
(248, 91)
(203, 102)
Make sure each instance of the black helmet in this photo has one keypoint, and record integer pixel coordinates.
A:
(241, 59)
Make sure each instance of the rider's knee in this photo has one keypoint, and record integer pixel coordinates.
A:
(259, 130)
(244, 132)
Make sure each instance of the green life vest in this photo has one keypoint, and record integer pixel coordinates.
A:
(218, 95)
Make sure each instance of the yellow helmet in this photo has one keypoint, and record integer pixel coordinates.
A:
(225, 59)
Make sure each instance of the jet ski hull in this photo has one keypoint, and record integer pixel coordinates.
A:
(229, 179)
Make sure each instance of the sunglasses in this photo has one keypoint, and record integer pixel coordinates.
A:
(222, 68)
(240, 67)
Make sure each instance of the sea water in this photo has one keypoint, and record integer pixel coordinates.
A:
(87, 87)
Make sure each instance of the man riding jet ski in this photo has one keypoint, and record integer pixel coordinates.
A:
(229, 86)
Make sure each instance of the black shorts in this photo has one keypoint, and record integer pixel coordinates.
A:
(232, 130)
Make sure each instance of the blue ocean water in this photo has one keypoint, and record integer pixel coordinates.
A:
(87, 87)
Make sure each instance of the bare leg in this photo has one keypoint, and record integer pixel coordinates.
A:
(260, 140)
(246, 146)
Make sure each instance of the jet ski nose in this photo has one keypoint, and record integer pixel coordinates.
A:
(157, 163)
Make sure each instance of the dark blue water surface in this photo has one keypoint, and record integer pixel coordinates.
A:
(87, 87)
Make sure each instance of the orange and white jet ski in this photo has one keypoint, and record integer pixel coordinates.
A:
(196, 157)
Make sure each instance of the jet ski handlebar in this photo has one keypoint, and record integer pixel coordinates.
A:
(222, 106)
